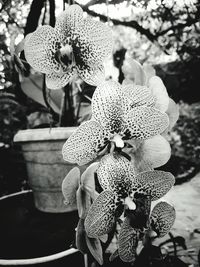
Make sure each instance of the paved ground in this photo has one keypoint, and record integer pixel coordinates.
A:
(186, 200)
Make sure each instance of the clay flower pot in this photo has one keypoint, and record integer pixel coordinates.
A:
(45, 165)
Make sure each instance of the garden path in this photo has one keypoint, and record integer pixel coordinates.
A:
(186, 200)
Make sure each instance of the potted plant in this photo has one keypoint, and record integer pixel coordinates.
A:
(68, 54)
(121, 141)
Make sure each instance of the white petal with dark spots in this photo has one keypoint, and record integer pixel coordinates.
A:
(100, 218)
(40, 47)
(162, 218)
(83, 145)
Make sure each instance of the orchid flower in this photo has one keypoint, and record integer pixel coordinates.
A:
(147, 154)
(145, 75)
(119, 113)
(121, 186)
(76, 45)
(160, 221)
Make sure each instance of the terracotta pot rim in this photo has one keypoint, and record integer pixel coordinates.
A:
(44, 134)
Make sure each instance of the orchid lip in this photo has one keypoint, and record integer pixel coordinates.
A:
(117, 139)
(129, 202)
(65, 57)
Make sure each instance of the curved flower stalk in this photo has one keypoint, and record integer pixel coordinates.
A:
(121, 186)
(76, 45)
(119, 113)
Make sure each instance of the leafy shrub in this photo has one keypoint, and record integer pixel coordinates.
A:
(185, 136)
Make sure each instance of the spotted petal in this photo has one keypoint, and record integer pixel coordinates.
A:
(69, 20)
(162, 218)
(94, 42)
(40, 47)
(144, 122)
(109, 105)
(153, 183)
(83, 145)
(138, 95)
(100, 218)
(92, 75)
(57, 80)
(114, 173)
(128, 240)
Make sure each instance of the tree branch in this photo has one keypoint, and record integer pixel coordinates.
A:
(179, 26)
(4, 5)
(52, 12)
(33, 16)
(132, 24)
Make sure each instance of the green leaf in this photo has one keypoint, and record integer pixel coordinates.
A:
(70, 185)
(94, 245)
